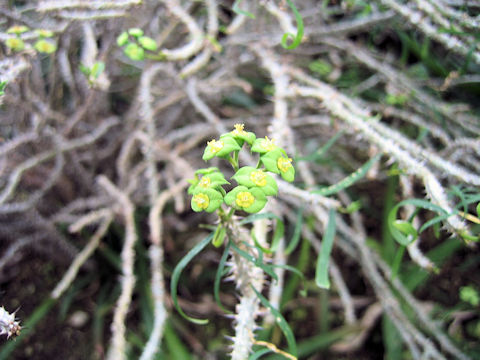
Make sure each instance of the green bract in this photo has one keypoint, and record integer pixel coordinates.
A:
(43, 33)
(211, 180)
(122, 39)
(265, 145)
(135, 32)
(287, 171)
(17, 29)
(45, 46)
(270, 160)
(207, 200)
(16, 44)
(134, 52)
(250, 200)
(250, 177)
(147, 43)
(240, 135)
(220, 148)
(207, 170)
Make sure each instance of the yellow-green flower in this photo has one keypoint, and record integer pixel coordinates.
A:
(43, 33)
(240, 135)
(244, 199)
(220, 148)
(251, 177)
(215, 145)
(239, 130)
(16, 44)
(258, 177)
(134, 52)
(17, 29)
(201, 200)
(277, 162)
(264, 146)
(284, 164)
(250, 200)
(205, 182)
(212, 178)
(287, 171)
(207, 200)
(45, 46)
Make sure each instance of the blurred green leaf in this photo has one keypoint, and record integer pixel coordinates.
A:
(178, 271)
(321, 272)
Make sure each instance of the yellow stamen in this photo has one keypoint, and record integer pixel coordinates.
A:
(284, 164)
(205, 182)
(201, 200)
(268, 144)
(259, 178)
(239, 129)
(244, 199)
(215, 145)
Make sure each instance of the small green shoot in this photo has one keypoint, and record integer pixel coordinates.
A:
(3, 84)
(349, 180)
(321, 272)
(281, 322)
(178, 271)
(470, 295)
(236, 9)
(297, 39)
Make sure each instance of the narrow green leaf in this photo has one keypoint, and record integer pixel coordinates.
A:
(320, 153)
(258, 354)
(97, 69)
(252, 218)
(297, 39)
(321, 272)
(122, 39)
(218, 278)
(256, 261)
(296, 233)
(3, 84)
(178, 271)
(407, 229)
(219, 236)
(236, 9)
(315, 344)
(434, 221)
(277, 234)
(174, 344)
(392, 223)
(281, 322)
(349, 180)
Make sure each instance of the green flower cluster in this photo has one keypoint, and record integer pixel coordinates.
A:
(254, 184)
(135, 44)
(43, 44)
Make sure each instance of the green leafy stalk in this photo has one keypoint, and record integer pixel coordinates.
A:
(349, 180)
(178, 271)
(218, 277)
(281, 322)
(297, 39)
(236, 9)
(321, 273)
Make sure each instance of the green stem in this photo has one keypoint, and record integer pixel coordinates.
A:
(397, 261)
(297, 39)
(234, 163)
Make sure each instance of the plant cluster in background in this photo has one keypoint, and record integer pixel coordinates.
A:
(135, 43)
(43, 43)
